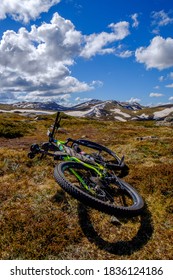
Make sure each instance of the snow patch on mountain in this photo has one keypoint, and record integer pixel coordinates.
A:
(76, 113)
(94, 111)
(120, 119)
(118, 111)
(144, 116)
(28, 111)
(163, 113)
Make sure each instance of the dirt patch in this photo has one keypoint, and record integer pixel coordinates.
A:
(17, 143)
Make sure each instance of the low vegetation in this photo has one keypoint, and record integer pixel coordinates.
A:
(39, 221)
(12, 127)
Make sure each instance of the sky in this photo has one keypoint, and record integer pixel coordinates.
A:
(72, 51)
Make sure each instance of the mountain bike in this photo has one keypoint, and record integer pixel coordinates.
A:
(90, 177)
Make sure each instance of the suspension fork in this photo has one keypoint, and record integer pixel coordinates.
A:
(94, 190)
(99, 169)
(79, 178)
(77, 175)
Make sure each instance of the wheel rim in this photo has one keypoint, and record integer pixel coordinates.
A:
(88, 182)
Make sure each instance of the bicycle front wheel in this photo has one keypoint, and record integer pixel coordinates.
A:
(83, 183)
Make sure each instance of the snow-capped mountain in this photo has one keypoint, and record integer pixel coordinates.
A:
(123, 111)
(101, 110)
(39, 105)
(110, 110)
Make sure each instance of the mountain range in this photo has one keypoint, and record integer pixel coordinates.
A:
(98, 109)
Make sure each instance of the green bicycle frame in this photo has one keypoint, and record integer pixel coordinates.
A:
(98, 169)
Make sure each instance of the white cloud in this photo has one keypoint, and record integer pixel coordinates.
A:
(120, 29)
(96, 43)
(169, 86)
(158, 54)
(121, 52)
(170, 75)
(161, 79)
(171, 98)
(25, 10)
(97, 83)
(155, 94)
(133, 100)
(134, 17)
(125, 54)
(35, 64)
(34, 96)
(161, 18)
(80, 100)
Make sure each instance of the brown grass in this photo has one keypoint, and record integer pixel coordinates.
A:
(39, 221)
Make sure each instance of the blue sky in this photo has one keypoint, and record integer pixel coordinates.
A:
(71, 51)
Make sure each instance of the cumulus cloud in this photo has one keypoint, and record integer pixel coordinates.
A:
(25, 10)
(155, 94)
(158, 54)
(36, 64)
(96, 43)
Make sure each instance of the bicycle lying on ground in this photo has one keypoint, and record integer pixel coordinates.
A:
(90, 175)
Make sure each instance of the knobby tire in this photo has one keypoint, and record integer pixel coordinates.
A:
(94, 201)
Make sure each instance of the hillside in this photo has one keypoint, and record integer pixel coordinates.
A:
(40, 221)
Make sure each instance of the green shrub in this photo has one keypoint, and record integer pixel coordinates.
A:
(13, 128)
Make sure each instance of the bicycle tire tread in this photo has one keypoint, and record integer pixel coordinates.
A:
(95, 202)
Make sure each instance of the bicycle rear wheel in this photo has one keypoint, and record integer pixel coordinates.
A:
(114, 198)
